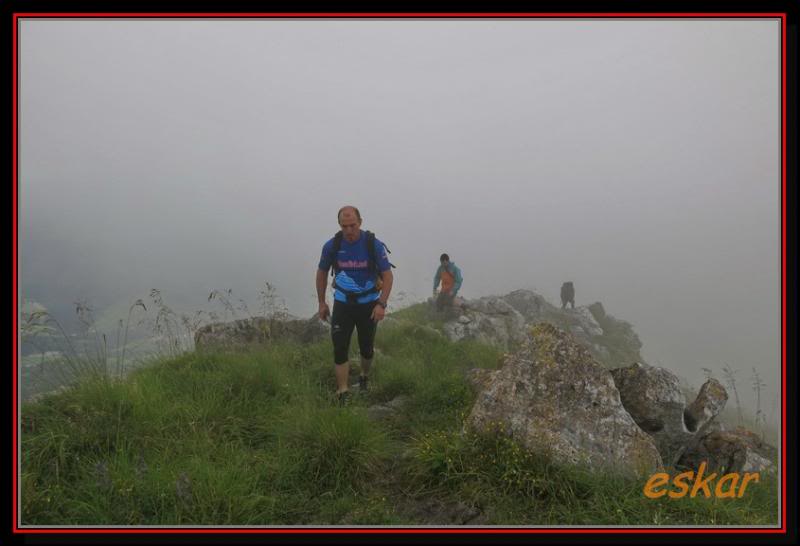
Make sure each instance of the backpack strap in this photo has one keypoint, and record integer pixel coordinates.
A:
(373, 263)
(337, 245)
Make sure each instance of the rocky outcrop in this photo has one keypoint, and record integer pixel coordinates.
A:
(533, 307)
(245, 333)
(490, 320)
(687, 436)
(553, 397)
(501, 321)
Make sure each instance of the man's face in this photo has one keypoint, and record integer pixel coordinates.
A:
(350, 225)
(445, 262)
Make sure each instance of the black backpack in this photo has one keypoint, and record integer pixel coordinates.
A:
(352, 297)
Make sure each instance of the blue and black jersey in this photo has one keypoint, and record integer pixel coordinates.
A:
(355, 274)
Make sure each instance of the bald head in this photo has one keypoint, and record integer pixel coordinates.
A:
(350, 223)
(348, 210)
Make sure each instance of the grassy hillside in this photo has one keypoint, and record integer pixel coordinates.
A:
(256, 439)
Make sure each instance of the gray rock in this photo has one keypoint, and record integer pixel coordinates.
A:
(577, 330)
(379, 411)
(244, 333)
(586, 320)
(383, 411)
(487, 319)
(553, 397)
(738, 450)
(490, 320)
(481, 378)
(600, 350)
(597, 311)
(398, 402)
(530, 305)
(654, 399)
(688, 436)
(709, 402)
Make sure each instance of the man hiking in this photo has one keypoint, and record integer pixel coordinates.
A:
(567, 294)
(362, 282)
(450, 276)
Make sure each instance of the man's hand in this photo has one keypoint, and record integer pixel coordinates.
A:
(434, 292)
(377, 313)
(324, 311)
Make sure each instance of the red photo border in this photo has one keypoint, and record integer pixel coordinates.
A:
(17, 16)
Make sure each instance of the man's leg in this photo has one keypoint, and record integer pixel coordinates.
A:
(342, 324)
(366, 364)
(366, 341)
(342, 377)
(447, 305)
(444, 301)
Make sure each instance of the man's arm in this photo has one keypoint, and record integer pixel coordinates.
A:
(436, 278)
(322, 284)
(388, 278)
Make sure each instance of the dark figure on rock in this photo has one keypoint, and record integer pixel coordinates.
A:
(567, 295)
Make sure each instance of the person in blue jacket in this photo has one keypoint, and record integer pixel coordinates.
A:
(449, 275)
(362, 283)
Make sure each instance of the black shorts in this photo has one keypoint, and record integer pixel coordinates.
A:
(344, 318)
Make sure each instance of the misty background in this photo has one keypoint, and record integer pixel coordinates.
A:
(639, 159)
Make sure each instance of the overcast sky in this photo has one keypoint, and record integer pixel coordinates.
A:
(638, 158)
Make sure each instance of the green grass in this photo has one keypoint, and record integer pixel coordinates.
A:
(420, 313)
(256, 439)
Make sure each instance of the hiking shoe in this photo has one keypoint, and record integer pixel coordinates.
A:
(344, 399)
(362, 384)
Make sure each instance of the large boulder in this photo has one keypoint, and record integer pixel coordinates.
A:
(533, 307)
(598, 311)
(490, 320)
(688, 436)
(553, 397)
(244, 333)
(709, 402)
(654, 399)
(738, 450)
